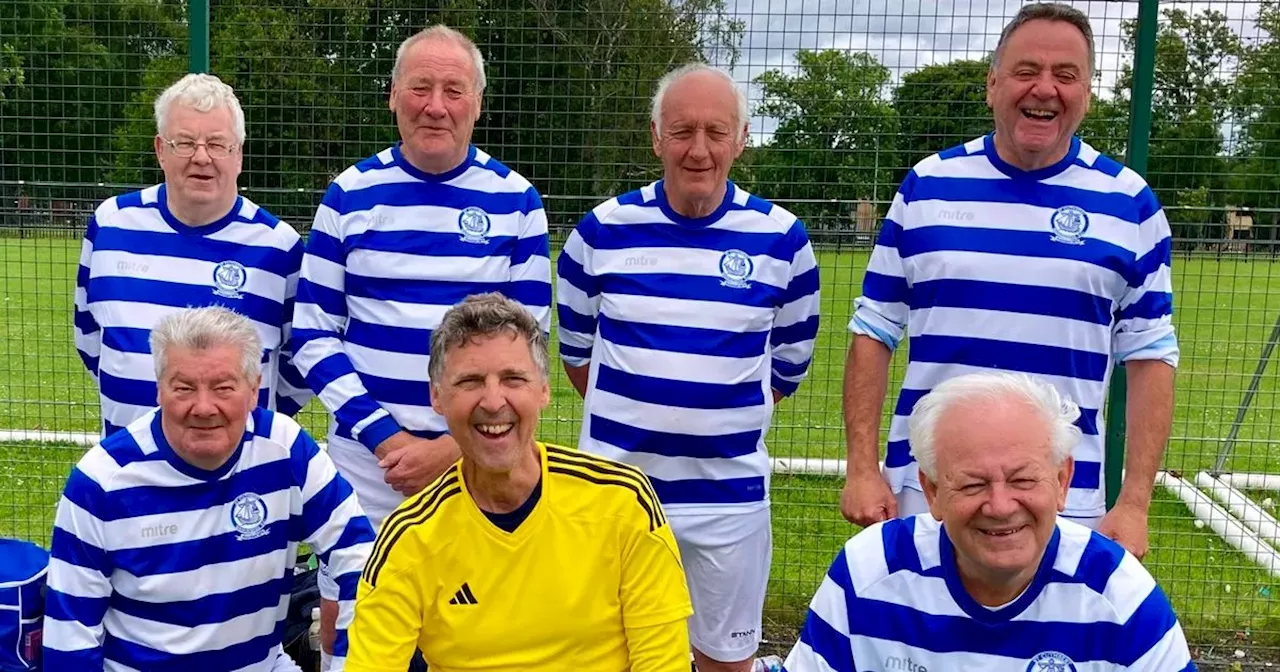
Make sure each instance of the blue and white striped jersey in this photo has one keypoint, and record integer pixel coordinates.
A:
(893, 600)
(138, 264)
(159, 565)
(687, 326)
(392, 248)
(1059, 272)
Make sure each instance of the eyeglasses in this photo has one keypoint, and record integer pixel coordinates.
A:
(187, 148)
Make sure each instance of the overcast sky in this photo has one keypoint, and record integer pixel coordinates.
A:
(905, 35)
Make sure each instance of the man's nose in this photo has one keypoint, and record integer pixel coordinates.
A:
(493, 399)
(204, 403)
(201, 156)
(1001, 502)
(435, 104)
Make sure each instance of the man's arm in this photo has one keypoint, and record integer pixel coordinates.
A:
(578, 303)
(530, 280)
(579, 376)
(1144, 341)
(866, 498)
(654, 593)
(389, 600)
(659, 648)
(291, 390)
(88, 335)
(79, 585)
(319, 322)
(878, 325)
(336, 527)
(795, 321)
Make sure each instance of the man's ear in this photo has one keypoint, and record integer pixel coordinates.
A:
(1065, 472)
(930, 494)
(435, 399)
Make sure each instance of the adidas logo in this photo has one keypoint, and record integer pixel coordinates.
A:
(464, 596)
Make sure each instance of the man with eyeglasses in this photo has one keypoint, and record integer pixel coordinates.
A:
(190, 241)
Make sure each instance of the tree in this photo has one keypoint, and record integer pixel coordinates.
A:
(940, 106)
(1191, 101)
(65, 89)
(943, 105)
(836, 140)
(566, 103)
(1255, 182)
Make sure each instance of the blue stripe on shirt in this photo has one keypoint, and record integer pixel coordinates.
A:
(706, 491)
(670, 444)
(1025, 357)
(1012, 298)
(678, 393)
(690, 340)
(1020, 244)
(1024, 192)
(402, 194)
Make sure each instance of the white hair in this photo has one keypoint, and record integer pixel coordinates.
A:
(200, 92)
(739, 98)
(1058, 412)
(205, 328)
(443, 32)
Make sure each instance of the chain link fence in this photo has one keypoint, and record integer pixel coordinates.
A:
(845, 97)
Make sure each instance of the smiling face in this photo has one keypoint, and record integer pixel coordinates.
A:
(491, 393)
(700, 138)
(998, 491)
(436, 101)
(199, 184)
(205, 400)
(1038, 90)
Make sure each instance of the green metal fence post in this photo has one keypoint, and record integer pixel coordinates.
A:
(198, 35)
(1144, 66)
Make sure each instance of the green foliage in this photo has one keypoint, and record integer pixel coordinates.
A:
(836, 136)
(1256, 179)
(65, 88)
(1190, 103)
(940, 106)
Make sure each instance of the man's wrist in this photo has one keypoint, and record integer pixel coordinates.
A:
(860, 466)
(1134, 497)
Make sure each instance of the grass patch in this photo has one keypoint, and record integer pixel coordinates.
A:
(1225, 310)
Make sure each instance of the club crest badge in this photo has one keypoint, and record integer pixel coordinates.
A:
(474, 225)
(1068, 224)
(249, 516)
(1051, 661)
(229, 278)
(735, 269)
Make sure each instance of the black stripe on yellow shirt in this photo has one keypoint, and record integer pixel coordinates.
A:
(415, 512)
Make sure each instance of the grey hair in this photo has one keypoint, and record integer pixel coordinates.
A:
(443, 32)
(1059, 412)
(204, 328)
(660, 95)
(486, 315)
(201, 92)
(1047, 11)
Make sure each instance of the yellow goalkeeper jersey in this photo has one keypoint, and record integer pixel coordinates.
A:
(594, 558)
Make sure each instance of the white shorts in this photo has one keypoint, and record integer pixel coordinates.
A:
(359, 466)
(726, 563)
(912, 502)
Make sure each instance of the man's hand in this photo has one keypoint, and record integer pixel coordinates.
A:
(867, 499)
(1127, 525)
(411, 466)
(393, 443)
